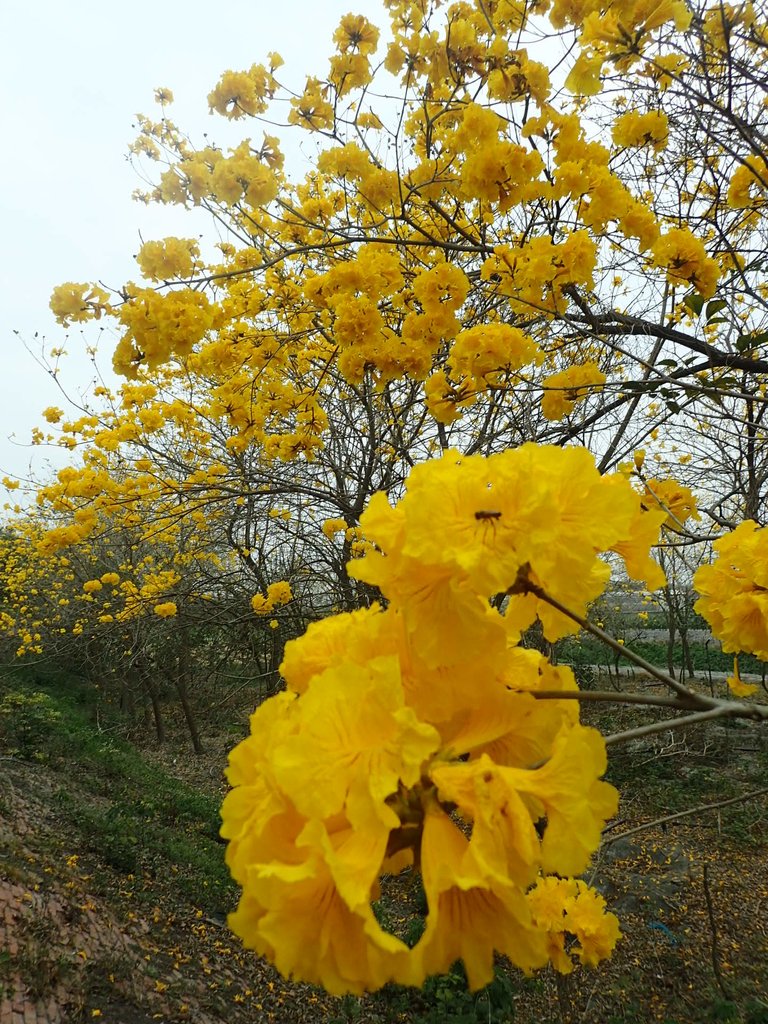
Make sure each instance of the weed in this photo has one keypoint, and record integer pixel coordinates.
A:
(724, 1010)
(125, 811)
(27, 722)
(756, 1012)
(446, 999)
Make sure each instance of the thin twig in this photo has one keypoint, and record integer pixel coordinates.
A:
(722, 711)
(684, 814)
(713, 927)
(612, 697)
(695, 699)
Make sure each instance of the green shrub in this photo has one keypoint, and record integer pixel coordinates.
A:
(28, 721)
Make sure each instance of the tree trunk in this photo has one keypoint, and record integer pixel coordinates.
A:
(154, 698)
(182, 679)
(127, 700)
(687, 659)
(671, 626)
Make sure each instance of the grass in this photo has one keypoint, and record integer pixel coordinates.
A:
(122, 808)
(156, 839)
(586, 650)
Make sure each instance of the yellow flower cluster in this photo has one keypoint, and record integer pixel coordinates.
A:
(734, 590)
(519, 77)
(444, 400)
(677, 499)
(749, 184)
(312, 110)
(686, 261)
(568, 907)
(412, 736)
(564, 389)
(536, 275)
(494, 169)
(239, 93)
(158, 327)
(619, 34)
(169, 258)
(208, 174)
(277, 594)
(482, 350)
(636, 129)
(137, 599)
(76, 303)
(331, 527)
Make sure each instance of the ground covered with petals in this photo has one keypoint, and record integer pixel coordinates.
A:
(136, 932)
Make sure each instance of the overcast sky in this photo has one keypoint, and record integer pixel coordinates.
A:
(73, 77)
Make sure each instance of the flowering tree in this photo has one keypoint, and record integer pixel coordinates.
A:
(500, 277)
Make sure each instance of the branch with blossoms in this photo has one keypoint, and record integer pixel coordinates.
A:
(420, 734)
(497, 265)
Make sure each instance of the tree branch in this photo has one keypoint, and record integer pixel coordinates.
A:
(687, 813)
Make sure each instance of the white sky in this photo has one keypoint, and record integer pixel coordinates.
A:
(72, 77)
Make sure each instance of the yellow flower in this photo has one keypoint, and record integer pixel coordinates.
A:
(395, 721)
(312, 914)
(637, 129)
(569, 907)
(358, 743)
(674, 498)
(685, 259)
(166, 610)
(584, 77)
(734, 590)
(564, 389)
(473, 911)
(359, 635)
(735, 684)
(331, 527)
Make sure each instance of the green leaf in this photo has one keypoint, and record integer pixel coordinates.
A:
(746, 342)
(713, 308)
(694, 302)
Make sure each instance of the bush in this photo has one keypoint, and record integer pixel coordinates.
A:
(28, 721)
